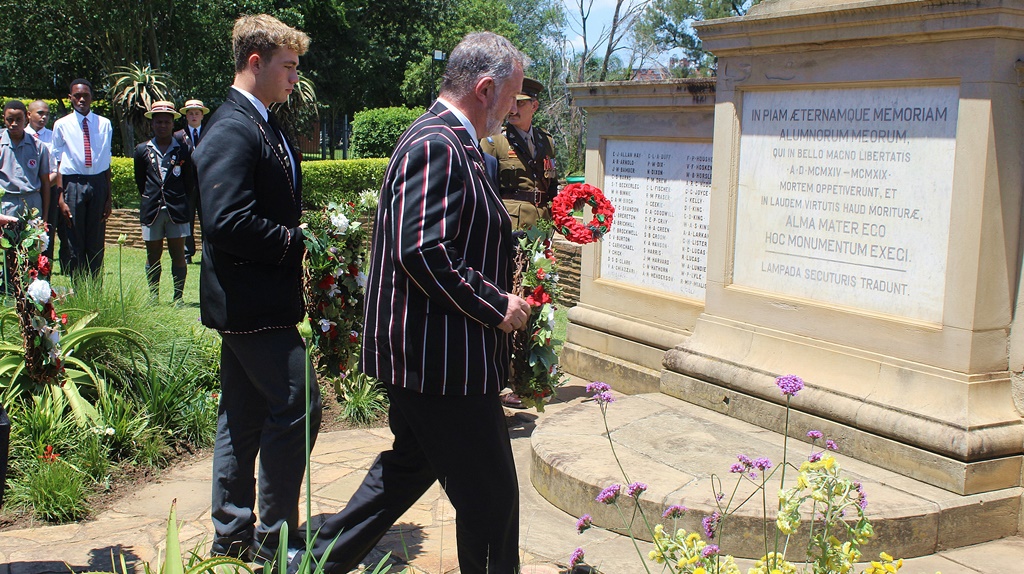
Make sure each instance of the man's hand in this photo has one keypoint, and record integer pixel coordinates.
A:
(107, 209)
(517, 315)
(65, 211)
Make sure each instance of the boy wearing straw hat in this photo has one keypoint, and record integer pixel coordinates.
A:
(194, 110)
(165, 177)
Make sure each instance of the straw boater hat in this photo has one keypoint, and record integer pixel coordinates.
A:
(531, 89)
(195, 105)
(163, 107)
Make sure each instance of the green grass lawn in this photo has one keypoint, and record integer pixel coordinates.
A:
(129, 265)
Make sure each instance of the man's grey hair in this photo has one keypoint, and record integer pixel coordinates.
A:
(479, 55)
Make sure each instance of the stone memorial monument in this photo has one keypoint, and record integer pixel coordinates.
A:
(642, 288)
(862, 231)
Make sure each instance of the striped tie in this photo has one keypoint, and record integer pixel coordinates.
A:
(88, 148)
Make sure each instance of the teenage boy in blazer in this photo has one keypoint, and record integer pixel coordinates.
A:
(251, 292)
(165, 177)
(194, 111)
(438, 316)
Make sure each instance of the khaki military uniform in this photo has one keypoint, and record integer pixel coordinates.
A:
(527, 184)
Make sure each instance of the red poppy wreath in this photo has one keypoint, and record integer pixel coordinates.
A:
(573, 197)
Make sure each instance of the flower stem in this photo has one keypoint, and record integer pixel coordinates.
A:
(309, 448)
(782, 479)
(629, 531)
(608, 433)
(120, 279)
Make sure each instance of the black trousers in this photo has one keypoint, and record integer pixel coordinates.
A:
(83, 240)
(262, 410)
(463, 443)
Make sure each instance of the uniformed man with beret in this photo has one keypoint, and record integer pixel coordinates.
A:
(527, 176)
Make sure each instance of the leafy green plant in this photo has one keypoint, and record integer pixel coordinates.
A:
(362, 399)
(121, 425)
(54, 489)
(133, 89)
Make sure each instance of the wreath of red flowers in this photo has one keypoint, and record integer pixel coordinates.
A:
(575, 196)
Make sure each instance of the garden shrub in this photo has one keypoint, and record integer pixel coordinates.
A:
(323, 181)
(375, 132)
(339, 181)
(54, 489)
(123, 191)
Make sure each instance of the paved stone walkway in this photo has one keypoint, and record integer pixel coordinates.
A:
(423, 541)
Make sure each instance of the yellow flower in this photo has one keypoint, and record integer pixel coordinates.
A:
(885, 556)
(699, 570)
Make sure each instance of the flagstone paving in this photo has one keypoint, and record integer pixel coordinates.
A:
(423, 540)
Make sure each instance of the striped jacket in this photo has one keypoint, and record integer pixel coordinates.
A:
(441, 266)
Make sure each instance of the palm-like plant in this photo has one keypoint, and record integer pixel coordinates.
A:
(132, 90)
(301, 107)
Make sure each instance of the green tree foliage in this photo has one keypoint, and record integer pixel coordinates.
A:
(133, 89)
(667, 23)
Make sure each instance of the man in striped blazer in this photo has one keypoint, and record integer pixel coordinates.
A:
(438, 317)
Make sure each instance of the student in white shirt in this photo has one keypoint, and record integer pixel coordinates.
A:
(81, 141)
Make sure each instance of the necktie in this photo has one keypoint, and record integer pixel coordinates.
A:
(530, 144)
(35, 135)
(195, 136)
(85, 138)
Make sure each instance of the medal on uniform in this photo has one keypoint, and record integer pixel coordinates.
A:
(176, 171)
(549, 167)
(512, 153)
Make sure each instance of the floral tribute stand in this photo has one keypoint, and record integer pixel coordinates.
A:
(535, 372)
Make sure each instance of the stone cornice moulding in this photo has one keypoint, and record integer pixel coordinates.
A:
(820, 25)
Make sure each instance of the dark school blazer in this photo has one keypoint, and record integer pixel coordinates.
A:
(251, 277)
(171, 191)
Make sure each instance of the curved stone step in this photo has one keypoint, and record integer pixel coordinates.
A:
(679, 449)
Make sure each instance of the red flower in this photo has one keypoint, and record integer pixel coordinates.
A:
(539, 297)
(353, 337)
(33, 274)
(575, 196)
(49, 455)
(353, 269)
(541, 274)
(43, 264)
(64, 318)
(326, 282)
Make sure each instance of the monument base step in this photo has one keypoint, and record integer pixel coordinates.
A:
(683, 453)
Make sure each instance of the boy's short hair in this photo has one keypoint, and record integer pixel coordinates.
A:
(15, 105)
(263, 34)
(83, 81)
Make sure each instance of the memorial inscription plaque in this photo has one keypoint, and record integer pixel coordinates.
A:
(844, 196)
(661, 191)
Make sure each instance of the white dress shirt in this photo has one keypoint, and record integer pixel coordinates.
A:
(45, 136)
(69, 145)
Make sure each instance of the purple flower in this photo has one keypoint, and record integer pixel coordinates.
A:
(814, 434)
(863, 502)
(598, 387)
(762, 464)
(584, 523)
(745, 460)
(736, 467)
(831, 445)
(815, 457)
(609, 494)
(635, 489)
(604, 398)
(709, 550)
(576, 558)
(674, 511)
(720, 496)
(790, 384)
(710, 524)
